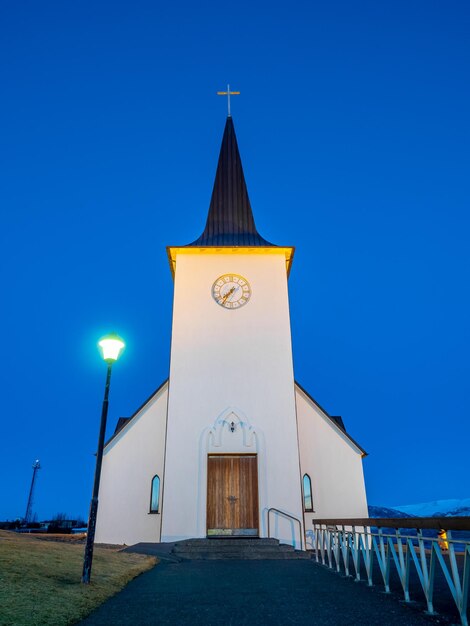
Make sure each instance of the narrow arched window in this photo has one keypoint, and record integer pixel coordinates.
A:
(155, 495)
(307, 486)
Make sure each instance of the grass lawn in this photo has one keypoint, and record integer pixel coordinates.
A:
(40, 580)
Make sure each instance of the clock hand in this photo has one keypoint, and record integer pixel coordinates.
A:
(229, 293)
(233, 290)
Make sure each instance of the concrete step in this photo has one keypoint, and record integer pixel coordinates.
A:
(235, 541)
(231, 549)
(243, 555)
(179, 549)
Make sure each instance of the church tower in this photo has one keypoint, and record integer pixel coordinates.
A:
(230, 445)
(232, 450)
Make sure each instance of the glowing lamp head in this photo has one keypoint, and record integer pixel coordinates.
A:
(111, 347)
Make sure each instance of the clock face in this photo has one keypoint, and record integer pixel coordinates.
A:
(231, 291)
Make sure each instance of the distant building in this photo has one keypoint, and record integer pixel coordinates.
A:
(63, 526)
(230, 435)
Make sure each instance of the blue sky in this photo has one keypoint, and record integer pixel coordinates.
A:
(354, 132)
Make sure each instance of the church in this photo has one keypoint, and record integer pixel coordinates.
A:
(230, 444)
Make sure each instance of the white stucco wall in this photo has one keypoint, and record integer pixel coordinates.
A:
(130, 462)
(227, 366)
(333, 463)
(230, 362)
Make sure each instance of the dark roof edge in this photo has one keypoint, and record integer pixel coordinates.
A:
(129, 419)
(232, 241)
(343, 430)
(122, 421)
(339, 420)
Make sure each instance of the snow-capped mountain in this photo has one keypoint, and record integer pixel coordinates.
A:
(382, 511)
(437, 508)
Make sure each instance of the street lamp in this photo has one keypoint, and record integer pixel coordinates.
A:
(111, 347)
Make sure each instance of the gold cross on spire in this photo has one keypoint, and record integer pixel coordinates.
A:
(228, 93)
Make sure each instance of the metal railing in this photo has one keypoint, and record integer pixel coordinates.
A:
(361, 541)
(295, 519)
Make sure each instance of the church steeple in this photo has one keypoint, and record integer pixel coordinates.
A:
(230, 226)
(230, 219)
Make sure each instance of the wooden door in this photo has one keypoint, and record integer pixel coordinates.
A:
(232, 494)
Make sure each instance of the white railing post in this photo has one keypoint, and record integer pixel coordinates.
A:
(369, 554)
(315, 530)
(345, 550)
(364, 549)
(336, 552)
(355, 553)
(323, 547)
(423, 572)
(328, 547)
(401, 563)
(383, 559)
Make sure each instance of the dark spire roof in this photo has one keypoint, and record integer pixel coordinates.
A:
(230, 220)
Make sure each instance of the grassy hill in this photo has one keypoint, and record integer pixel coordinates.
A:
(40, 580)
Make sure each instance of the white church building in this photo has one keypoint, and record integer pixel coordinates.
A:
(230, 440)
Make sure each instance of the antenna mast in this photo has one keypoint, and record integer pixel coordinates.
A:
(29, 507)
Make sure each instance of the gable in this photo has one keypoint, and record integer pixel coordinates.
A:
(124, 423)
(336, 422)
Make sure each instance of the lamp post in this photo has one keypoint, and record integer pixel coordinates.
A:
(111, 347)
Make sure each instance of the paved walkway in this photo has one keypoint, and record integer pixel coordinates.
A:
(252, 593)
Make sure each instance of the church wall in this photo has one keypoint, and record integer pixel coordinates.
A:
(333, 463)
(227, 363)
(130, 462)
